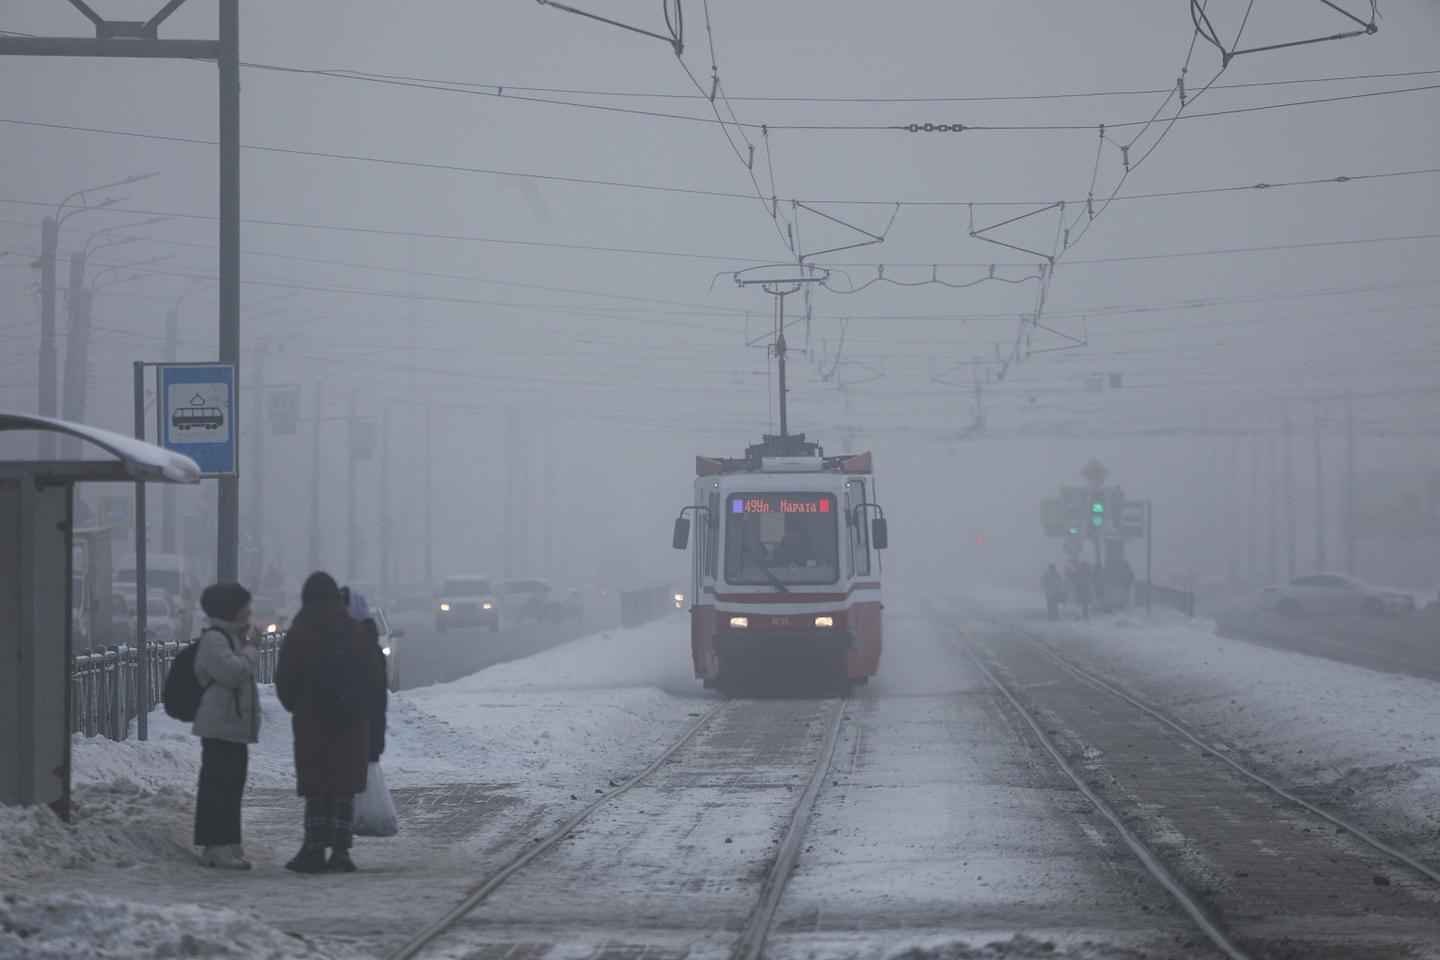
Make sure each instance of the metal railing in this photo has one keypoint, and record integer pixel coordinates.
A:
(104, 686)
(1163, 596)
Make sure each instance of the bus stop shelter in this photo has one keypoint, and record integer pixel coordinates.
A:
(36, 524)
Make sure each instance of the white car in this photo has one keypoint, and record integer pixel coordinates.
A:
(527, 599)
(389, 645)
(1322, 593)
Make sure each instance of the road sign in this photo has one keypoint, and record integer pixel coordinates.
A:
(197, 415)
(117, 511)
(362, 438)
(283, 409)
(1132, 518)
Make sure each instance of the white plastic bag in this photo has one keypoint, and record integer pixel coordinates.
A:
(374, 811)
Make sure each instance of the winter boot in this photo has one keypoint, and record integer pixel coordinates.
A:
(238, 853)
(222, 858)
(308, 860)
(340, 861)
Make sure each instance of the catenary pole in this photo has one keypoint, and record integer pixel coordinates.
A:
(315, 463)
(227, 542)
(429, 550)
(352, 545)
(49, 240)
(142, 652)
(1289, 481)
(256, 465)
(1319, 494)
(167, 494)
(1350, 531)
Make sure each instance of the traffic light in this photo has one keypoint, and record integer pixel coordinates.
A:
(1097, 510)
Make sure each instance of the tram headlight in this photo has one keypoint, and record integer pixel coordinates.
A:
(679, 601)
(444, 608)
(487, 605)
(739, 623)
(272, 628)
(824, 621)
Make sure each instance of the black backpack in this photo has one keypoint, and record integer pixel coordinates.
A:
(344, 682)
(182, 691)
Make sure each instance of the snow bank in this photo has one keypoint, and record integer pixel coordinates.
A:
(66, 927)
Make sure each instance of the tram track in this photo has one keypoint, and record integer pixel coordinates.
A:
(751, 937)
(1134, 767)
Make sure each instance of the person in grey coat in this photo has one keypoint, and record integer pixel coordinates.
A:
(227, 721)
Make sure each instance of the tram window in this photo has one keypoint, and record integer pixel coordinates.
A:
(859, 528)
(789, 538)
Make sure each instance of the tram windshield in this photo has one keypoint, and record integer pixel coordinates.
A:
(781, 539)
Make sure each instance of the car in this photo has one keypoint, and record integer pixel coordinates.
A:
(466, 600)
(526, 599)
(390, 635)
(162, 613)
(1316, 593)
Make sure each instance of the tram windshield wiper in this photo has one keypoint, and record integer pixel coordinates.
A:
(769, 574)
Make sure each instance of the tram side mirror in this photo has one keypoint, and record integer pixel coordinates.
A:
(879, 533)
(681, 538)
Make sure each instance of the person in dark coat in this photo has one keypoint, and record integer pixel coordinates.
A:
(1054, 589)
(331, 751)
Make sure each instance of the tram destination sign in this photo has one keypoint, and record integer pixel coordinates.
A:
(783, 503)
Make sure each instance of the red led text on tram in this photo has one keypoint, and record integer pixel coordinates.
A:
(786, 505)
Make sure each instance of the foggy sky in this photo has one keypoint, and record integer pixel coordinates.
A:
(620, 366)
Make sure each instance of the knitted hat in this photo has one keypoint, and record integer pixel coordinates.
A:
(319, 587)
(224, 601)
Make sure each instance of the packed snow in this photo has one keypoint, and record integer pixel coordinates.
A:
(535, 739)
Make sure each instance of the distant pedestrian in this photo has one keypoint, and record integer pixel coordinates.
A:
(1082, 582)
(1054, 588)
(1124, 583)
(227, 721)
(326, 678)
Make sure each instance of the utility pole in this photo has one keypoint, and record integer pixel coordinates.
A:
(1319, 495)
(167, 492)
(384, 473)
(257, 470)
(1289, 499)
(227, 542)
(1252, 542)
(352, 545)
(77, 352)
(511, 524)
(429, 550)
(49, 239)
(1273, 518)
(547, 562)
(315, 463)
(1232, 534)
(1349, 482)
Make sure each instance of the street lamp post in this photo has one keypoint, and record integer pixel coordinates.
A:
(49, 241)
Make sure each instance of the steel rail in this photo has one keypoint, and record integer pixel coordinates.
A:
(1177, 891)
(412, 947)
(1357, 832)
(751, 941)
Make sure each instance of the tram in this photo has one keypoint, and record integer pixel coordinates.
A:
(785, 577)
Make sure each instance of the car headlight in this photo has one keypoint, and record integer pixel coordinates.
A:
(487, 605)
(272, 628)
(385, 650)
(444, 608)
(824, 621)
(739, 623)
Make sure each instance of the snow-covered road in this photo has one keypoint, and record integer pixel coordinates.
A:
(941, 829)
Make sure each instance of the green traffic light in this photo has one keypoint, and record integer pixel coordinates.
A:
(1098, 521)
(1074, 530)
(1097, 507)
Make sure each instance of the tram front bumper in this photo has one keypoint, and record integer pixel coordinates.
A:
(761, 642)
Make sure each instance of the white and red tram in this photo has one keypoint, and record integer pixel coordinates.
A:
(786, 572)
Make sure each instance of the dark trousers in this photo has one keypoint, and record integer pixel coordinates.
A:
(328, 821)
(223, 766)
